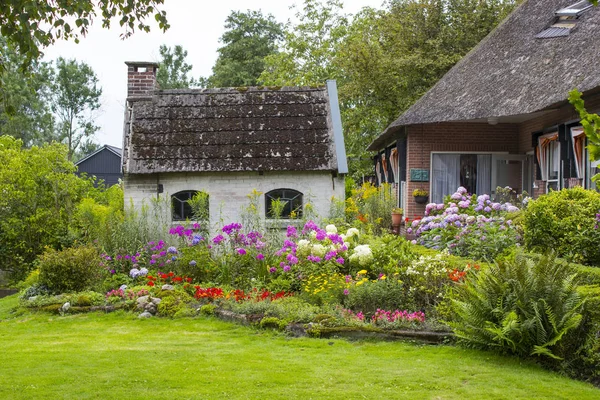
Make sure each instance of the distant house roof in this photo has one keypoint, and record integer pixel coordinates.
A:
(512, 72)
(117, 151)
(235, 129)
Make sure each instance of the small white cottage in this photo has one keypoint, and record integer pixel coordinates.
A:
(284, 142)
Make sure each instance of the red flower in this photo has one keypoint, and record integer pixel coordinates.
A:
(150, 283)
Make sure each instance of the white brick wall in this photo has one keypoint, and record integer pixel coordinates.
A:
(228, 190)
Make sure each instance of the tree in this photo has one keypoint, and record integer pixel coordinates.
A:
(76, 97)
(25, 99)
(249, 38)
(39, 195)
(31, 25)
(309, 46)
(383, 60)
(173, 69)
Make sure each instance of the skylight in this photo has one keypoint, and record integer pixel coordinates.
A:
(574, 10)
(565, 19)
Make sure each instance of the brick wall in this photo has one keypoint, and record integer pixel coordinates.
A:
(452, 137)
(141, 78)
(229, 191)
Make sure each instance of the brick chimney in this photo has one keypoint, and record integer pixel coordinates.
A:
(141, 78)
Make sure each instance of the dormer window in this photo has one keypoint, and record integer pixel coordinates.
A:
(565, 19)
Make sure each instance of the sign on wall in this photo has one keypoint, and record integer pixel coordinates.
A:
(419, 175)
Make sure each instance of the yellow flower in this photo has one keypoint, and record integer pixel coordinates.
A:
(362, 272)
(359, 283)
(382, 277)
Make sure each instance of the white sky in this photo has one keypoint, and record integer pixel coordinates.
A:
(195, 24)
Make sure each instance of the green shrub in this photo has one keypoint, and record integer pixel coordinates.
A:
(565, 221)
(273, 323)
(70, 270)
(388, 294)
(208, 309)
(173, 304)
(523, 307)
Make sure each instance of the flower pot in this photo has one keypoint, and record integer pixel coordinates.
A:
(396, 219)
(421, 199)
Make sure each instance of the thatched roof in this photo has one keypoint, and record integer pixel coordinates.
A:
(511, 72)
(233, 129)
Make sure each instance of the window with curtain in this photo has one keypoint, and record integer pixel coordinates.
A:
(449, 171)
(547, 154)
(578, 141)
(394, 160)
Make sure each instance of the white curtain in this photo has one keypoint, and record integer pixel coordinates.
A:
(446, 176)
(543, 143)
(578, 145)
(484, 174)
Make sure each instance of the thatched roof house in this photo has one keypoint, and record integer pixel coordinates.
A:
(286, 142)
(501, 98)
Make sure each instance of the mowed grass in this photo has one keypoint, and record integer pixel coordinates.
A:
(117, 356)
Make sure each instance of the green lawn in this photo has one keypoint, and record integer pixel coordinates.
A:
(117, 356)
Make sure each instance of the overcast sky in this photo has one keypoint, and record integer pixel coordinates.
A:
(195, 24)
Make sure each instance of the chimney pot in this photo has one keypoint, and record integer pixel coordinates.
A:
(141, 78)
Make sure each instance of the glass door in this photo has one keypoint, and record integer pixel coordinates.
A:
(508, 170)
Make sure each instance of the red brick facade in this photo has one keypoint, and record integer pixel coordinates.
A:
(480, 137)
(452, 137)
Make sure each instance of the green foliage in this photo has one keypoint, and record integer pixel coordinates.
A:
(372, 206)
(566, 222)
(590, 123)
(272, 323)
(32, 26)
(426, 279)
(173, 69)
(39, 195)
(174, 303)
(76, 98)
(208, 309)
(25, 98)
(383, 60)
(70, 270)
(249, 37)
(390, 252)
(387, 294)
(521, 307)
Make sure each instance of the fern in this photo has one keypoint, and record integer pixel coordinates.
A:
(520, 306)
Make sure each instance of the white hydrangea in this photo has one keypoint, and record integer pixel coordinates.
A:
(352, 232)
(362, 255)
(303, 248)
(331, 229)
(318, 250)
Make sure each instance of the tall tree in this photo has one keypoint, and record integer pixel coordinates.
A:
(25, 111)
(249, 37)
(76, 98)
(309, 47)
(31, 25)
(383, 60)
(173, 69)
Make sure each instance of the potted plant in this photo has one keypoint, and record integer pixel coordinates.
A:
(421, 196)
(397, 213)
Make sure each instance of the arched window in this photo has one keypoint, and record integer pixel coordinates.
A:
(180, 207)
(290, 202)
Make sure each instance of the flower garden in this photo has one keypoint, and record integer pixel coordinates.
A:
(474, 271)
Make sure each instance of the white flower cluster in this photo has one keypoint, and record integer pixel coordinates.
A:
(304, 248)
(318, 250)
(352, 232)
(362, 255)
(331, 229)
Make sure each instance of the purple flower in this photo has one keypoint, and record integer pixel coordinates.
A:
(153, 261)
(272, 270)
(229, 229)
(309, 226)
(346, 292)
(330, 255)
(340, 260)
(291, 231)
(286, 268)
(241, 251)
(196, 226)
(193, 263)
(112, 271)
(487, 209)
(314, 259)
(321, 234)
(260, 256)
(218, 239)
(292, 259)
